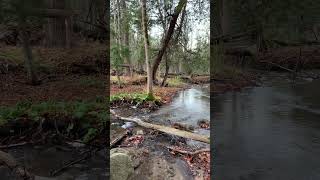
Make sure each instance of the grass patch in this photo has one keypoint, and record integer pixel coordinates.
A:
(134, 97)
(175, 82)
(14, 55)
(114, 80)
(82, 110)
(127, 80)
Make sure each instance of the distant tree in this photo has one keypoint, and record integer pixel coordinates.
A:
(21, 14)
(146, 47)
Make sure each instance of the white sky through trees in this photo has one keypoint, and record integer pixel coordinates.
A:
(199, 27)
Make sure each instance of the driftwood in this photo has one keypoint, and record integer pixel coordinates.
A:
(165, 129)
(7, 160)
(116, 140)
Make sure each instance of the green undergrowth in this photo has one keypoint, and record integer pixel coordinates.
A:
(82, 110)
(137, 98)
(175, 82)
(89, 117)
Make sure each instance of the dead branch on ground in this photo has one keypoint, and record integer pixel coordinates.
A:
(165, 129)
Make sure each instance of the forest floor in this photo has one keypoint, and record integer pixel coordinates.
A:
(68, 110)
(66, 75)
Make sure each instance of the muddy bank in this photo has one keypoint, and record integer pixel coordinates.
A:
(49, 142)
(223, 82)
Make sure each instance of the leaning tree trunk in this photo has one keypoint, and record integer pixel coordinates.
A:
(168, 36)
(31, 74)
(166, 71)
(146, 48)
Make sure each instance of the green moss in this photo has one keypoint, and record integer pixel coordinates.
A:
(175, 82)
(91, 133)
(134, 97)
(14, 55)
(83, 110)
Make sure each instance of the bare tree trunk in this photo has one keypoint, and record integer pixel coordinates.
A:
(168, 36)
(166, 71)
(68, 31)
(118, 78)
(56, 26)
(146, 48)
(126, 36)
(31, 74)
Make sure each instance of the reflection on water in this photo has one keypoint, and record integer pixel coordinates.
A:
(267, 133)
(188, 107)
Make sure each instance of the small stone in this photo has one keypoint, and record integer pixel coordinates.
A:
(140, 132)
(83, 177)
(50, 151)
(127, 125)
(80, 166)
(76, 144)
(66, 176)
(43, 178)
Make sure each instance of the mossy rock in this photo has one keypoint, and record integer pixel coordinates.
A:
(121, 165)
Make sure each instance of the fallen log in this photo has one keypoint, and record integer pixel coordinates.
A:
(165, 129)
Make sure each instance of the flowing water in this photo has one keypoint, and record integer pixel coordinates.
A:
(41, 160)
(188, 107)
(271, 132)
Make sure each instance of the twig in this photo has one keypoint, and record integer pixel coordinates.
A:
(274, 64)
(13, 145)
(188, 152)
(55, 172)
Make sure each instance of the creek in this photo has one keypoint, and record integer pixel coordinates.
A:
(268, 132)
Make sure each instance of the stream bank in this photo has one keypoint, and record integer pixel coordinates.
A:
(158, 155)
